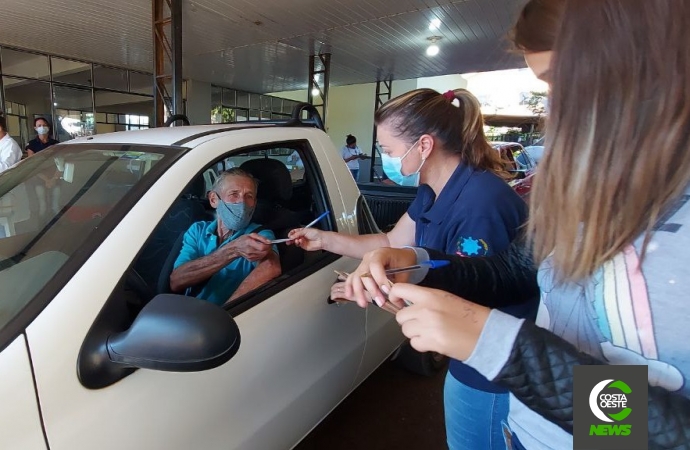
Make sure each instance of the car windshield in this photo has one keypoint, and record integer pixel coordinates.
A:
(52, 203)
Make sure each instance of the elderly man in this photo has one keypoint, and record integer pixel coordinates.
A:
(226, 258)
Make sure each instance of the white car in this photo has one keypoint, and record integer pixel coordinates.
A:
(94, 351)
(536, 150)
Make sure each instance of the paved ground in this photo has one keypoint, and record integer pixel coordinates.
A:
(392, 409)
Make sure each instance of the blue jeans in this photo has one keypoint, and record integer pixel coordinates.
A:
(473, 418)
(355, 173)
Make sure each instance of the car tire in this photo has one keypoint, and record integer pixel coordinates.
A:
(426, 364)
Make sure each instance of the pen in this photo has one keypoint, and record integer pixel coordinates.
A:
(313, 222)
(431, 264)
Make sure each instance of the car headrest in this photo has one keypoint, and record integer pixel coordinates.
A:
(275, 182)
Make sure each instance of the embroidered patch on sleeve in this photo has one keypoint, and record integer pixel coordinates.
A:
(469, 247)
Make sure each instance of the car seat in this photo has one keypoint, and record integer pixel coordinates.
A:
(274, 193)
(154, 265)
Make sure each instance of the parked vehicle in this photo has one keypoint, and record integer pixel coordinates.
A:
(519, 163)
(536, 150)
(95, 353)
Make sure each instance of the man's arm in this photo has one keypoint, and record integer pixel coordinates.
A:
(200, 270)
(252, 247)
(267, 270)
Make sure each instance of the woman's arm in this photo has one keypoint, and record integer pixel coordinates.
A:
(539, 372)
(504, 279)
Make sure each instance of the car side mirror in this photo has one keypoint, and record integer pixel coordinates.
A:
(172, 333)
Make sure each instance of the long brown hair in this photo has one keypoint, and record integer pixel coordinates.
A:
(537, 26)
(618, 131)
(459, 129)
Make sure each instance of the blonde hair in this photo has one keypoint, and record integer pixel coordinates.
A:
(618, 131)
(459, 129)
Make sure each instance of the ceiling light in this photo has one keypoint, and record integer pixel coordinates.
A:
(315, 92)
(432, 50)
(435, 24)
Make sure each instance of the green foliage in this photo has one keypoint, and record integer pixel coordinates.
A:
(222, 115)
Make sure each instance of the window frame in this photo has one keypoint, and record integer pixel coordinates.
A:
(320, 196)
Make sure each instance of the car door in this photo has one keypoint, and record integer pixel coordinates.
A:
(383, 332)
(20, 422)
(298, 356)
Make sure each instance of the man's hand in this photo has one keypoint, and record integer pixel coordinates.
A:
(438, 321)
(252, 247)
(374, 265)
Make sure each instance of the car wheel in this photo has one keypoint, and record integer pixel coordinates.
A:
(426, 364)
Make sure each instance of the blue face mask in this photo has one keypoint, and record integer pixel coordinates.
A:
(393, 169)
(235, 216)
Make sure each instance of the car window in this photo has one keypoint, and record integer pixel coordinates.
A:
(290, 157)
(521, 157)
(50, 206)
(282, 204)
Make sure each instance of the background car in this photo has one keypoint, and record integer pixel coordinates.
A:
(520, 164)
(95, 353)
(536, 150)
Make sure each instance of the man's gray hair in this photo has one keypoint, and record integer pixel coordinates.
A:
(234, 172)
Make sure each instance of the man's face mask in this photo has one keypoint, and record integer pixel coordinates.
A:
(42, 130)
(393, 168)
(235, 216)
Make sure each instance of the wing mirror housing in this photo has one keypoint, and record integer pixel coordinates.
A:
(172, 333)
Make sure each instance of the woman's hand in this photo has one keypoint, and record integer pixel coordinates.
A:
(309, 239)
(437, 321)
(374, 264)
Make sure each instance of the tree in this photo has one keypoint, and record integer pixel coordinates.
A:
(535, 102)
(222, 115)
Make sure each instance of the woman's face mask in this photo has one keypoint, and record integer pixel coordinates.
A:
(235, 216)
(392, 166)
(42, 130)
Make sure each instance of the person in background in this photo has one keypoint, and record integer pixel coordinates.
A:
(463, 206)
(43, 139)
(295, 160)
(351, 155)
(48, 186)
(609, 239)
(10, 152)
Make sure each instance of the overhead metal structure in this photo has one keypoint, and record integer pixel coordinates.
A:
(384, 92)
(319, 82)
(167, 57)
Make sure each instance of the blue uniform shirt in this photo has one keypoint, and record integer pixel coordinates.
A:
(476, 214)
(201, 240)
(35, 145)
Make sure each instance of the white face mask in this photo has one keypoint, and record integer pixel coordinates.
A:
(42, 130)
(393, 169)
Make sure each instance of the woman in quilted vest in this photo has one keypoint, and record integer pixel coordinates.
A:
(609, 230)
